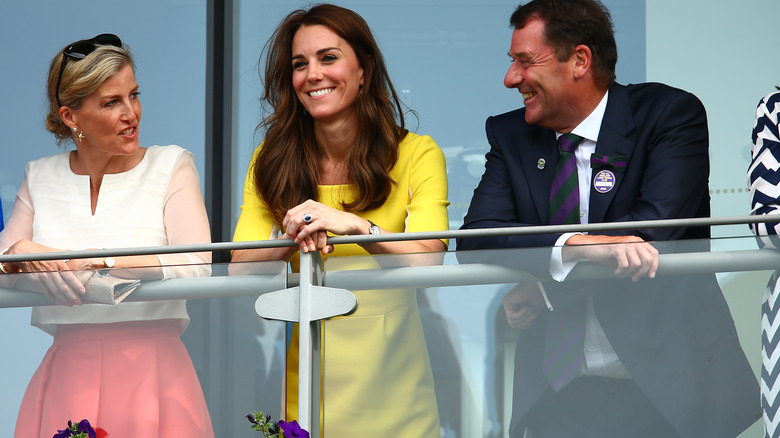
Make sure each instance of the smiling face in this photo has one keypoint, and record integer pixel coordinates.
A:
(326, 73)
(109, 117)
(547, 84)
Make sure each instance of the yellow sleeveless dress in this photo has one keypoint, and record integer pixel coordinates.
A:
(376, 374)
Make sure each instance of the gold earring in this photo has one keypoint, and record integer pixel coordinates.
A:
(80, 134)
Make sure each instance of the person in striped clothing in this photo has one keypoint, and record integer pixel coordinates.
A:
(764, 180)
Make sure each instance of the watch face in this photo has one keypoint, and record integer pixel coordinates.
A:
(372, 230)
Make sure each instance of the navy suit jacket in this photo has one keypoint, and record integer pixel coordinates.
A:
(675, 336)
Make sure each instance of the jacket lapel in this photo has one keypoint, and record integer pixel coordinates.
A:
(613, 141)
(539, 162)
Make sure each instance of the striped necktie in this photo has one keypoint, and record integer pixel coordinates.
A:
(564, 344)
(564, 357)
(564, 192)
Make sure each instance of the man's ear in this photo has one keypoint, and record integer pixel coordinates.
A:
(581, 58)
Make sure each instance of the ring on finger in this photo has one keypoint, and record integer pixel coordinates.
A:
(307, 217)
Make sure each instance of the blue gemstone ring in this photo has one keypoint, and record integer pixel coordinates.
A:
(307, 218)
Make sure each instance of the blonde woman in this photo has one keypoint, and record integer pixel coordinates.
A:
(123, 367)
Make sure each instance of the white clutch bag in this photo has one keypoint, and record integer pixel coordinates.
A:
(107, 289)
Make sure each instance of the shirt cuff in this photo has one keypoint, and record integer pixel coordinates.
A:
(544, 295)
(558, 268)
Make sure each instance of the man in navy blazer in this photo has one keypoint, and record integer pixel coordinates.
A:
(661, 355)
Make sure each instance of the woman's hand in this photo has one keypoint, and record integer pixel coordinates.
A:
(309, 223)
(55, 278)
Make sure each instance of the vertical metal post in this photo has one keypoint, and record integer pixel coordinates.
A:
(308, 304)
(317, 375)
(219, 121)
(308, 343)
(209, 337)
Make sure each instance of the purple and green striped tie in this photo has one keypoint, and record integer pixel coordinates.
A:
(564, 192)
(564, 355)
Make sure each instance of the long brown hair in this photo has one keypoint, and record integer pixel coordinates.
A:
(285, 170)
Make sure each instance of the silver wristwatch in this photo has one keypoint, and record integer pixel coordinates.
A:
(373, 229)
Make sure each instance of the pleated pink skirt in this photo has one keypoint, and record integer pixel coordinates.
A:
(133, 379)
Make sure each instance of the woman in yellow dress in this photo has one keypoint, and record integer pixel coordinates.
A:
(337, 160)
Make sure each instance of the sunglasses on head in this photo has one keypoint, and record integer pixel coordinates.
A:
(80, 49)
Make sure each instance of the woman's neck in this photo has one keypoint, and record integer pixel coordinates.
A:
(96, 164)
(334, 143)
(335, 140)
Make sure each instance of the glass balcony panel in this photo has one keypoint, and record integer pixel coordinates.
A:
(254, 355)
(456, 350)
(377, 381)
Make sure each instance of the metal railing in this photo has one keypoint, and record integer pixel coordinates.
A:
(316, 295)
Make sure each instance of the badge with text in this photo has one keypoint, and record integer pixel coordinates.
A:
(604, 181)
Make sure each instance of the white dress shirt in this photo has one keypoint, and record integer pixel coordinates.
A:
(600, 357)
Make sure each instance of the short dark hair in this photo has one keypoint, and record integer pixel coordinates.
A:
(569, 23)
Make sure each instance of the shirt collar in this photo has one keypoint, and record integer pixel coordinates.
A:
(590, 127)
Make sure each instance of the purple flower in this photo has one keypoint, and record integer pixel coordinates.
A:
(84, 426)
(293, 430)
(72, 430)
(63, 433)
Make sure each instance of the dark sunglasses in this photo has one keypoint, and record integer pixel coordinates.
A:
(80, 49)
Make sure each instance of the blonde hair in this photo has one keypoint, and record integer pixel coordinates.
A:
(81, 78)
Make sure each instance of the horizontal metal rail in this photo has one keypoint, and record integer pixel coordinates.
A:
(173, 289)
(417, 276)
(397, 237)
(483, 273)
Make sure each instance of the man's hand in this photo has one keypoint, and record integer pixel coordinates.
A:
(523, 304)
(631, 255)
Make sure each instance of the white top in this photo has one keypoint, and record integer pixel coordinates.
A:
(157, 203)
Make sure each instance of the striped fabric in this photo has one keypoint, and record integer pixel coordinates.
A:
(564, 343)
(563, 357)
(564, 193)
(764, 180)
